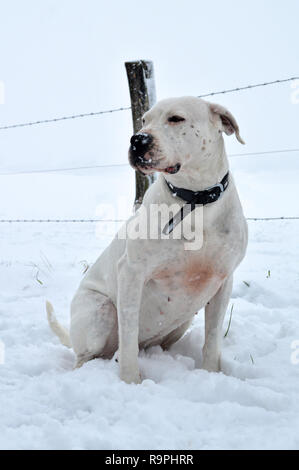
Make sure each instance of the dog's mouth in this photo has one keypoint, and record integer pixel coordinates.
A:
(173, 169)
(146, 169)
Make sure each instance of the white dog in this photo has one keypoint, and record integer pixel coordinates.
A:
(144, 291)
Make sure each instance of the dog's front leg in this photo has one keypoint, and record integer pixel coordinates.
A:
(214, 315)
(130, 285)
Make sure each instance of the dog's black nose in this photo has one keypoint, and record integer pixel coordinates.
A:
(140, 144)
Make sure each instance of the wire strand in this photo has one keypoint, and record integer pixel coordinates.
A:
(125, 108)
(248, 87)
(64, 118)
(34, 221)
(53, 170)
(56, 221)
(269, 152)
(75, 168)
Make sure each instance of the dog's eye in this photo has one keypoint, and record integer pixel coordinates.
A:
(143, 121)
(175, 119)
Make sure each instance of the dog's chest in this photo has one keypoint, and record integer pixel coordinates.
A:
(191, 275)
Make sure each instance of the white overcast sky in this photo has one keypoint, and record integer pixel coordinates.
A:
(60, 57)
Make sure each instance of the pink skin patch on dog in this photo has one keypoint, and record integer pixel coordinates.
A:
(194, 277)
(197, 277)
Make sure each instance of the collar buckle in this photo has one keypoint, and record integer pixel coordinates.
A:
(218, 185)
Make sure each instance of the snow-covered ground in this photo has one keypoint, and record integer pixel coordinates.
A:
(253, 403)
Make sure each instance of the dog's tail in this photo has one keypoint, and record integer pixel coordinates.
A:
(57, 329)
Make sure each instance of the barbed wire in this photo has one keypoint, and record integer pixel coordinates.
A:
(47, 221)
(112, 165)
(268, 152)
(126, 108)
(248, 87)
(64, 118)
(272, 218)
(53, 170)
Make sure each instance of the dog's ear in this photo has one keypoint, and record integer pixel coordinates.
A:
(228, 123)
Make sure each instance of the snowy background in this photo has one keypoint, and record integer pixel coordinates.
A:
(65, 57)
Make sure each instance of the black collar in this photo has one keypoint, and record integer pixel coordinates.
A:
(200, 197)
(193, 198)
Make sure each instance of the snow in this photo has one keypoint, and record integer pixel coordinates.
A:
(252, 404)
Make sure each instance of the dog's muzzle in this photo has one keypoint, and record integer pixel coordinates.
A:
(140, 145)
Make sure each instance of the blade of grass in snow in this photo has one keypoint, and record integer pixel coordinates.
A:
(230, 320)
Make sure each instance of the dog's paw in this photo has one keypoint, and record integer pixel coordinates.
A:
(131, 378)
(211, 365)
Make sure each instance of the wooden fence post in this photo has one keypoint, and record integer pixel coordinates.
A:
(141, 80)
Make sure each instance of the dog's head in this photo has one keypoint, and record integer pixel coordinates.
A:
(180, 135)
